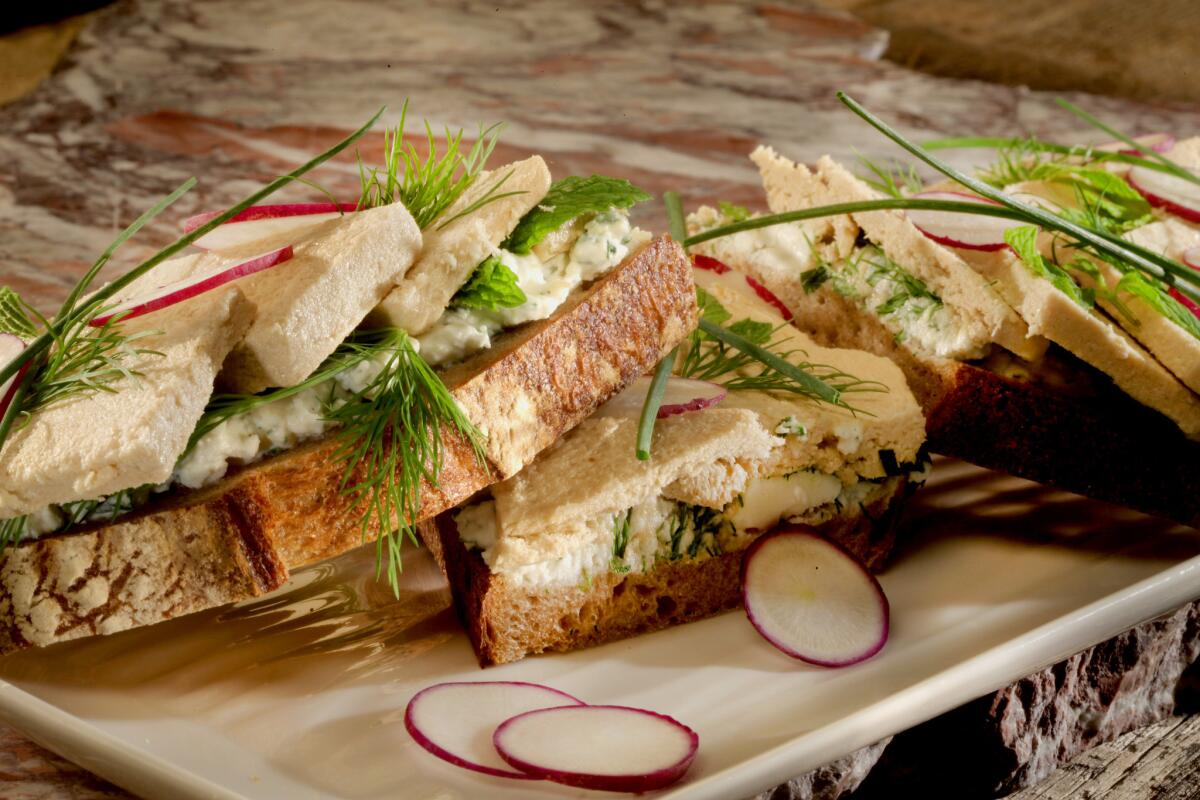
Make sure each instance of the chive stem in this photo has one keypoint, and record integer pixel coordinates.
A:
(654, 398)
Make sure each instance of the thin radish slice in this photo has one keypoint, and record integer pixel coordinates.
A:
(455, 721)
(1168, 192)
(1191, 257)
(1158, 142)
(813, 600)
(10, 347)
(710, 264)
(185, 289)
(611, 748)
(955, 229)
(769, 297)
(681, 396)
(258, 222)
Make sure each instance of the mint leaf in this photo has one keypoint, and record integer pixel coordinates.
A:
(1138, 285)
(13, 316)
(492, 286)
(1023, 241)
(711, 308)
(752, 330)
(567, 199)
(733, 212)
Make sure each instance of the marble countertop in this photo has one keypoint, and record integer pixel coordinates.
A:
(234, 92)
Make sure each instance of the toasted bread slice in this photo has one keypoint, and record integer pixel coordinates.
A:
(506, 622)
(452, 253)
(240, 537)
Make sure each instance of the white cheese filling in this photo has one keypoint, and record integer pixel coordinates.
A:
(877, 285)
(660, 530)
(603, 243)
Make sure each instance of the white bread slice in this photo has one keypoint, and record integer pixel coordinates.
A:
(791, 186)
(1092, 338)
(452, 253)
(592, 471)
(306, 307)
(96, 444)
(1173, 346)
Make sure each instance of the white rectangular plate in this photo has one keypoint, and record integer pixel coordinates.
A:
(301, 694)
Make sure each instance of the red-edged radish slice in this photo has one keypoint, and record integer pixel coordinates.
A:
(1191, 257)
(710, 264)
(813, 600)
(717, 267)
(1158, 142)
(10, 347)
(611, 748)
(455, 721)
(769, 297)
(1168, 192)
(681, 396)
(188, 288)
(955, 229)
(258, 222)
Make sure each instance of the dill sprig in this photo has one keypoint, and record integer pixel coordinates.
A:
(429, 185)
(892, 178)
(76, 310)
(392, 439)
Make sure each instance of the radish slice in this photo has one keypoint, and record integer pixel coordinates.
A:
(1158, 142)
(611, 748)
(190, 287)
(258, 222)
(813, 600)
(768, 296)
(1168, 192)
(681, 395)
(10, 347)
(710, 264)
(455, 721)
(1191, 257)
(954, 229)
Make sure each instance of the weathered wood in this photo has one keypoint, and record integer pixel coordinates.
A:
(1161, 761)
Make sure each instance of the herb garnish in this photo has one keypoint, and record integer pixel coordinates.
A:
(568, 199)
(76, 311)
(493, 285)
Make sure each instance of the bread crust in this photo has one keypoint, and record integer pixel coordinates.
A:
(506, 623)
(239, 539)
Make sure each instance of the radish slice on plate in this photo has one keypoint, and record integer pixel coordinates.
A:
(1158, 142)
(1191, 257)
(611, 748)
(185, 289)
(717, 267)
(955, 229)
(1168, 192)
(455, 721)
(681, 395)
(10, 347)
(813, 600)
(258, 222)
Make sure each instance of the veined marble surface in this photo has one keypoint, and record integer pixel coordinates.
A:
(668, 95)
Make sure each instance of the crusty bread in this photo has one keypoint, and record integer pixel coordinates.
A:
(506, 623)
(239, 538)
(1065, 425)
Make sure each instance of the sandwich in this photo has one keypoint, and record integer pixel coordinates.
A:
(589, 543)
(314, 377)
(1038, 344)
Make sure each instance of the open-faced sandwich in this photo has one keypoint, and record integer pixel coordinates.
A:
(313, 377)
(590, 543)
(1043, 313)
